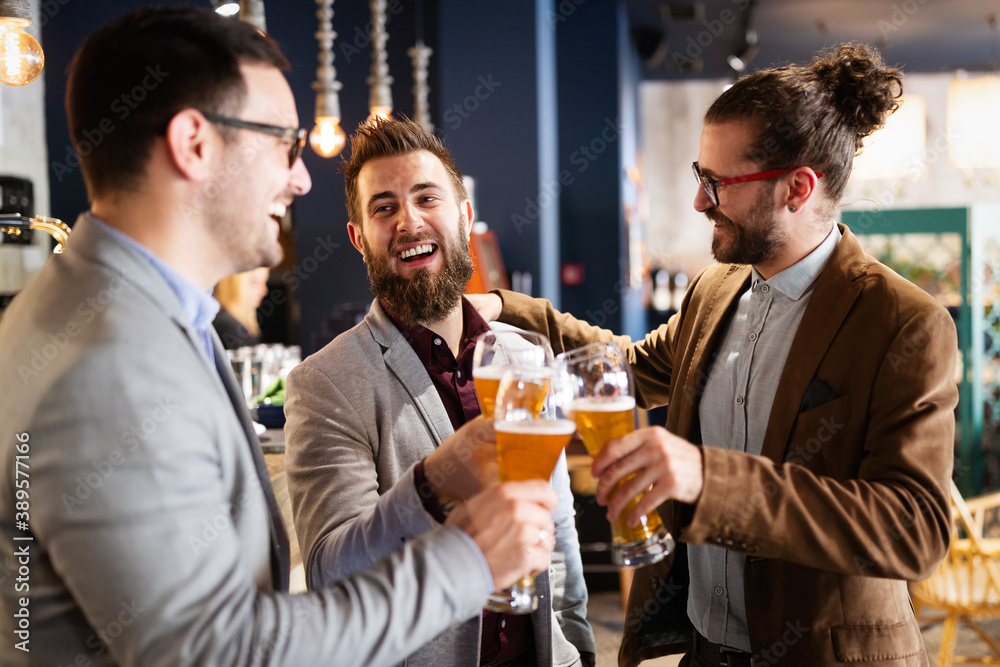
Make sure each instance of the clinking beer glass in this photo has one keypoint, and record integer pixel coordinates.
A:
(495, 352)
(529, 442)
(602, 407)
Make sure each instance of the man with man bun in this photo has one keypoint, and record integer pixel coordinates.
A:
(808, 447)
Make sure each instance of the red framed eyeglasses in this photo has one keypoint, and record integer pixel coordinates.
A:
(711, 185)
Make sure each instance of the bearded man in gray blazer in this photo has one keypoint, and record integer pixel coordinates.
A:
(134, 500)
(385, 394)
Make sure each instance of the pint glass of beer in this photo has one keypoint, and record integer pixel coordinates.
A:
(602, 408)
(498, 350)
(529, 442)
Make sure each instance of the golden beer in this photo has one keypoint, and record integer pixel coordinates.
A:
(487, 382)
(530, 449)
(599, 421)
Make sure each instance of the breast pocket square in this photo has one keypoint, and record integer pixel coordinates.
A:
(817, 393)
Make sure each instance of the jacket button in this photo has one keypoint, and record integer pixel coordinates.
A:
(654, 583)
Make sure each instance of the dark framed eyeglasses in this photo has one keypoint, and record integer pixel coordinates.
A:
(296, 134)
(711, 186)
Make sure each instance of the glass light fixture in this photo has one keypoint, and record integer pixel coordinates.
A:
(21, 57)
(252, 12)
(327, 138)
(226, 8)
(379, 112)
(379, 82)
(420, 55)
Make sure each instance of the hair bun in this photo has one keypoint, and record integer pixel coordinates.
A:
(861, 85)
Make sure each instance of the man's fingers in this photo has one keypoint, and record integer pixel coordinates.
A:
(512, 524)
(536, 491)
(616, 450)
(648, 455)
(649, 503)
(465, 463)
(630, 489)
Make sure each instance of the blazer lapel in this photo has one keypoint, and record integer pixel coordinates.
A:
(831, 300)
(404, 363)
(710, 326)
(280, 558)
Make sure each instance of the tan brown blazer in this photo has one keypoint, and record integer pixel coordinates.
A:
(849, 497)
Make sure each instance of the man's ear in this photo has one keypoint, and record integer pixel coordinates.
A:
(354, 231)
(191, 144)
(801, 187)
(466, 208)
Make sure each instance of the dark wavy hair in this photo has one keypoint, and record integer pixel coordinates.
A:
(132, 76)
(817, 115)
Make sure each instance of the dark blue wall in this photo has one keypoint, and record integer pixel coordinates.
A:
(589, 160)
(489, 114)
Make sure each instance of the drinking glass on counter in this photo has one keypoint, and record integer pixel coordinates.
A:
(602, 408)
(257, 367)
(529, 442)
(498, 350)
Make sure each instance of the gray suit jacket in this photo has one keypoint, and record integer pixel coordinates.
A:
(151, 537)
(360, 413)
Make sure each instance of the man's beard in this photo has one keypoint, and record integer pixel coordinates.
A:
(753, 241)
(425, 297)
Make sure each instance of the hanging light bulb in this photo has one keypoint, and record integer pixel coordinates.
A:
(226, 8)
(21, 57)
(380, 112)
(327, 138)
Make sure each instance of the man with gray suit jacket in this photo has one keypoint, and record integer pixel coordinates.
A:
(138, 521)
(372, 403)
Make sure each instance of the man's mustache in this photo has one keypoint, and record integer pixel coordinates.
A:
(719, 219)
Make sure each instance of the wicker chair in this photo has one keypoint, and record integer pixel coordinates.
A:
(966, 586)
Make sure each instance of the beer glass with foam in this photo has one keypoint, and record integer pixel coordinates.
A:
(529, 442)
(496, 351)
(602, 408)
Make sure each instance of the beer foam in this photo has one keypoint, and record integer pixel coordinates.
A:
(489, 372)
(601, 404)
(537, 427)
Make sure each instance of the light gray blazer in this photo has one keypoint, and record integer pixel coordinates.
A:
(151, 536)
(361, 412)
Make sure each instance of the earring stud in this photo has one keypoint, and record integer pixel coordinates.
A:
(791, 208)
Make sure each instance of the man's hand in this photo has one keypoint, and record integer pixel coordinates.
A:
(512, 524)
(465, 463)
(672, 466)
(488, 305)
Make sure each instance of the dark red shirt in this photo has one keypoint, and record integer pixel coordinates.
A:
(505, 636)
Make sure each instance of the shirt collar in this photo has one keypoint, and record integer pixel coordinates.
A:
(199, 305)
(794, 281)
(421, 338)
